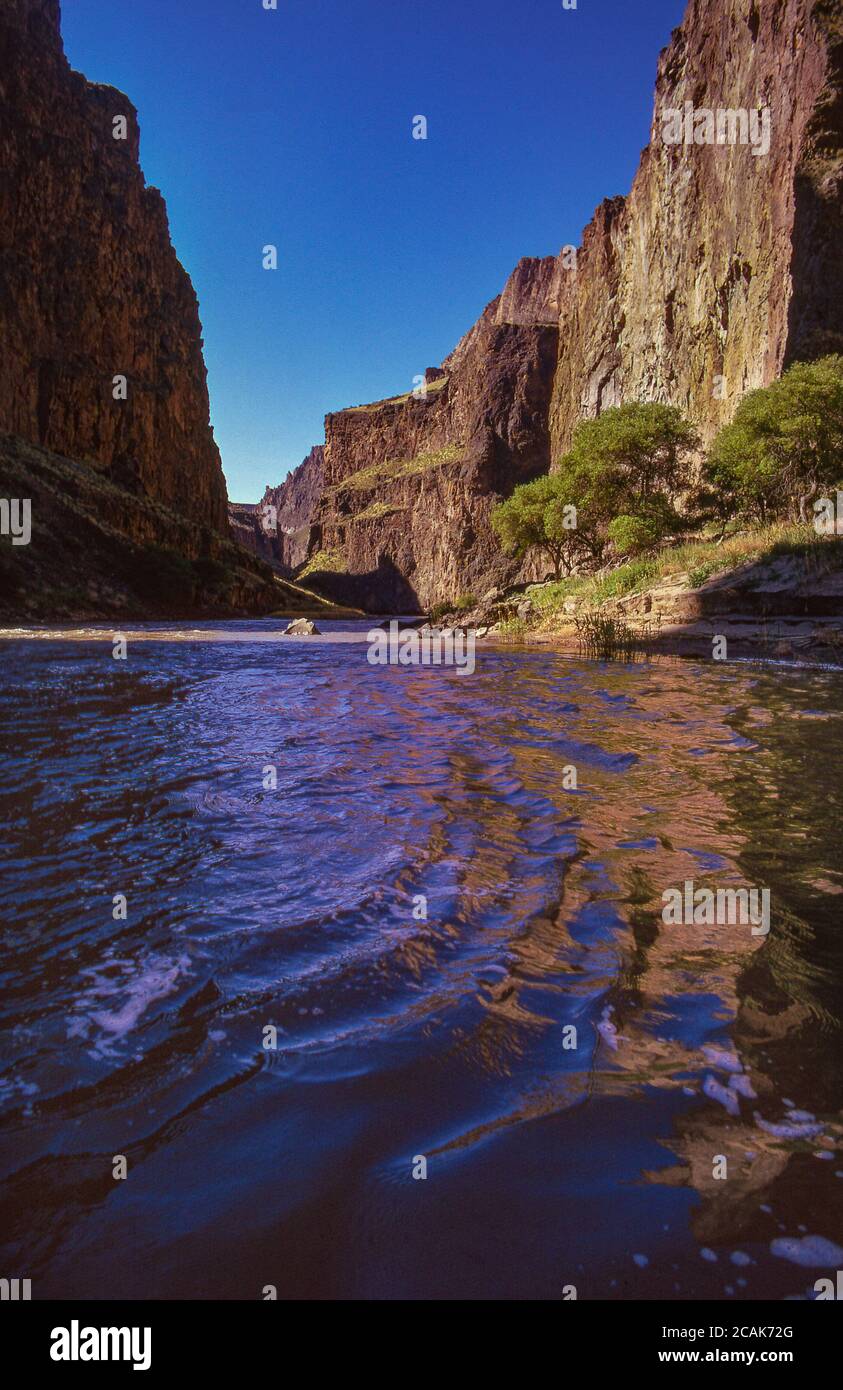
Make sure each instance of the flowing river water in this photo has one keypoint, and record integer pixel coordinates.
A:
(601, 1100)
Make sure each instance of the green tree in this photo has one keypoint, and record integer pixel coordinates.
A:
(616, 483)
(784, 444)
(539, 516)
(624, 469)
(635, 454)
(630, 535)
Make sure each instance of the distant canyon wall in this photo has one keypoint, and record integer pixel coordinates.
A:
(720, 267)
(278, 528)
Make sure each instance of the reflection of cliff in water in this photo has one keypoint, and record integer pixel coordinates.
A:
(789, 991)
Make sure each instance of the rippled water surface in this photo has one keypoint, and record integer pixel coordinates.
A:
(451, 1038)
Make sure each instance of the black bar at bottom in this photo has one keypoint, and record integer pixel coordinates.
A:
(88, 1338)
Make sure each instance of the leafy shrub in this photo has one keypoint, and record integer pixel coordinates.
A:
(784, 444)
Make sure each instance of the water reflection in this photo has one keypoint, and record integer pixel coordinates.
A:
(447, 1035)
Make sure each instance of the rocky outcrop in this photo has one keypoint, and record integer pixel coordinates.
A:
(91, 292)
(97, 550)
(720, 267)
(410, 482)
(786, 606)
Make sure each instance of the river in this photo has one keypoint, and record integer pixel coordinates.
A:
(373, 930)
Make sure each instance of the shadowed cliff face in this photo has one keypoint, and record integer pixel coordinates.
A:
(410, 482)
(99, 551)
(720, 267)
(90, 287)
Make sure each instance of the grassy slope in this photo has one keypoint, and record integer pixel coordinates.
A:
(98, 550)
(700, 560)
(377, 474)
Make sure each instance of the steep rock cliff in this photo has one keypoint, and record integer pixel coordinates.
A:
(90, 287)
(722, 264)
(278, 527)
(409, 482)
(720, 267)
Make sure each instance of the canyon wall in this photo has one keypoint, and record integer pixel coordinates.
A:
(278, 527)
(719, 268)
(90, 286)
(410, 482)
(722, 265)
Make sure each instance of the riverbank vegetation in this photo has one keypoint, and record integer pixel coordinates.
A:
(698, 560)
(631, 504)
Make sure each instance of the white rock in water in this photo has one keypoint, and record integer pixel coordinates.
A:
(302, 627)
(813, 1252)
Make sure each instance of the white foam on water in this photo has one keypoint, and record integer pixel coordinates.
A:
(743, 1086)
(719, 1057)
(812, 1252)
(788, 1131)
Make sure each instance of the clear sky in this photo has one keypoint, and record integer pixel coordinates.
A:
(294, 127)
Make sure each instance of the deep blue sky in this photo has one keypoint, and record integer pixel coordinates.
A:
(294, 127)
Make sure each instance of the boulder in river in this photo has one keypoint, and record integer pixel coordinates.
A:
(302, 627)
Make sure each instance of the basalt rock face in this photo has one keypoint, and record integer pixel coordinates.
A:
(720, 268)
(723, 264)
(410, 482)
(90, 287)
(278, 527)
